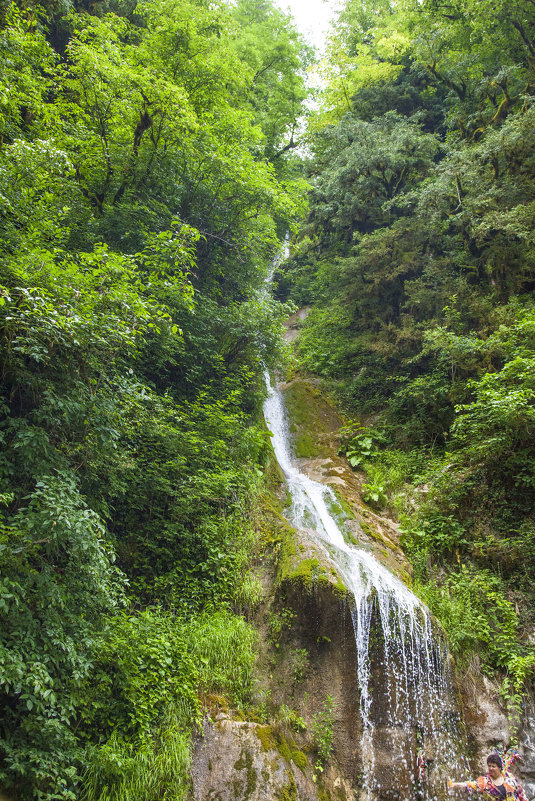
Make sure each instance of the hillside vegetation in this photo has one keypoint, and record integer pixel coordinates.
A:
(149, 171)
(417, 259)
(147, 177)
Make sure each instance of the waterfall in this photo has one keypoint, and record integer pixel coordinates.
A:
(410, 713)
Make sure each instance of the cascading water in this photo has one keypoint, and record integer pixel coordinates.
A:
(407, 710)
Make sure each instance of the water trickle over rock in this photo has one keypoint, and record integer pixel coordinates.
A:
(410, 733)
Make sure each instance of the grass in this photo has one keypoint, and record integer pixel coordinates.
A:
(158, 768)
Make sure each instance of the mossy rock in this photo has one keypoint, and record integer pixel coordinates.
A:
(324, 794)
(375, 534)
(346, 507)
(289, 791)
(284, 749)
(273, 473)
(273, 526)
(311, 417)
(245, 762)
(300, 760)
(266, 737)
(272, 740)
(304, 565)
(307, 571)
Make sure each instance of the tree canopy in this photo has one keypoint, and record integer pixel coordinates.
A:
(416, 257)
(147, 178)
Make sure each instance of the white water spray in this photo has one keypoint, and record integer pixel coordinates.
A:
(409, 716)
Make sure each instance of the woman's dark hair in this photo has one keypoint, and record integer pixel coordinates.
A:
(495, 759)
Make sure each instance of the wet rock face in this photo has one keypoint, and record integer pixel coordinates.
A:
(485, 718)
(247, 761)
(527, 745)
(323, 628)
(239, 761)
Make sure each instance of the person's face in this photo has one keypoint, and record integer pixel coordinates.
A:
(494, 771)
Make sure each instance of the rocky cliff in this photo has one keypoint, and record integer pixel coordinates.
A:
(303, 741)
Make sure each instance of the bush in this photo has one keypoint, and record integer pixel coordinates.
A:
(478, 619)
(323, 731)
(141, 664)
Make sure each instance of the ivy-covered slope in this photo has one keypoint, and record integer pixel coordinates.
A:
(417, 261)
(146, 173)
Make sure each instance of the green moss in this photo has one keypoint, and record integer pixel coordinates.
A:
(324, 794)
(299, 759)
(245, 762)
(275, 741)
(340, 794)
(406, 578)
(289, 791)
(310, 416)
(367, 529)
(272, 509)
(265, 735)
(340, 588)
(284, 749)
(287, 553)
(304, 446)
(344, 504)
(374, 534)
(306, 570)
(350, 538)
(272, 472)
(298, 403)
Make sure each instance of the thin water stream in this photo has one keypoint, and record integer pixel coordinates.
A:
(409, 713)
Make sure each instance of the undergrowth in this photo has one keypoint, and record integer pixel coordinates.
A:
(148, 712)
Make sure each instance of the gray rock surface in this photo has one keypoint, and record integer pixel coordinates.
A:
(527, 748)
(233, 762)
(489, 727)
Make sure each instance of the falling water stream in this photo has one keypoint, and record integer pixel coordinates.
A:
(411, 715)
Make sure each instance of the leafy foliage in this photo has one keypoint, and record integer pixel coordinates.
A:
(417, 259)
(323, 724)
(146, 177)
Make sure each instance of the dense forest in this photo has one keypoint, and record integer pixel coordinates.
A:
(153, 157)
(147, 178)
(417, 261)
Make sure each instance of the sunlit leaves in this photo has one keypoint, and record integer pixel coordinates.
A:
(28, 65)
(143, 196)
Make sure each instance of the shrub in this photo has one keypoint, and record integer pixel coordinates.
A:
(141, 664)
(323, 731)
